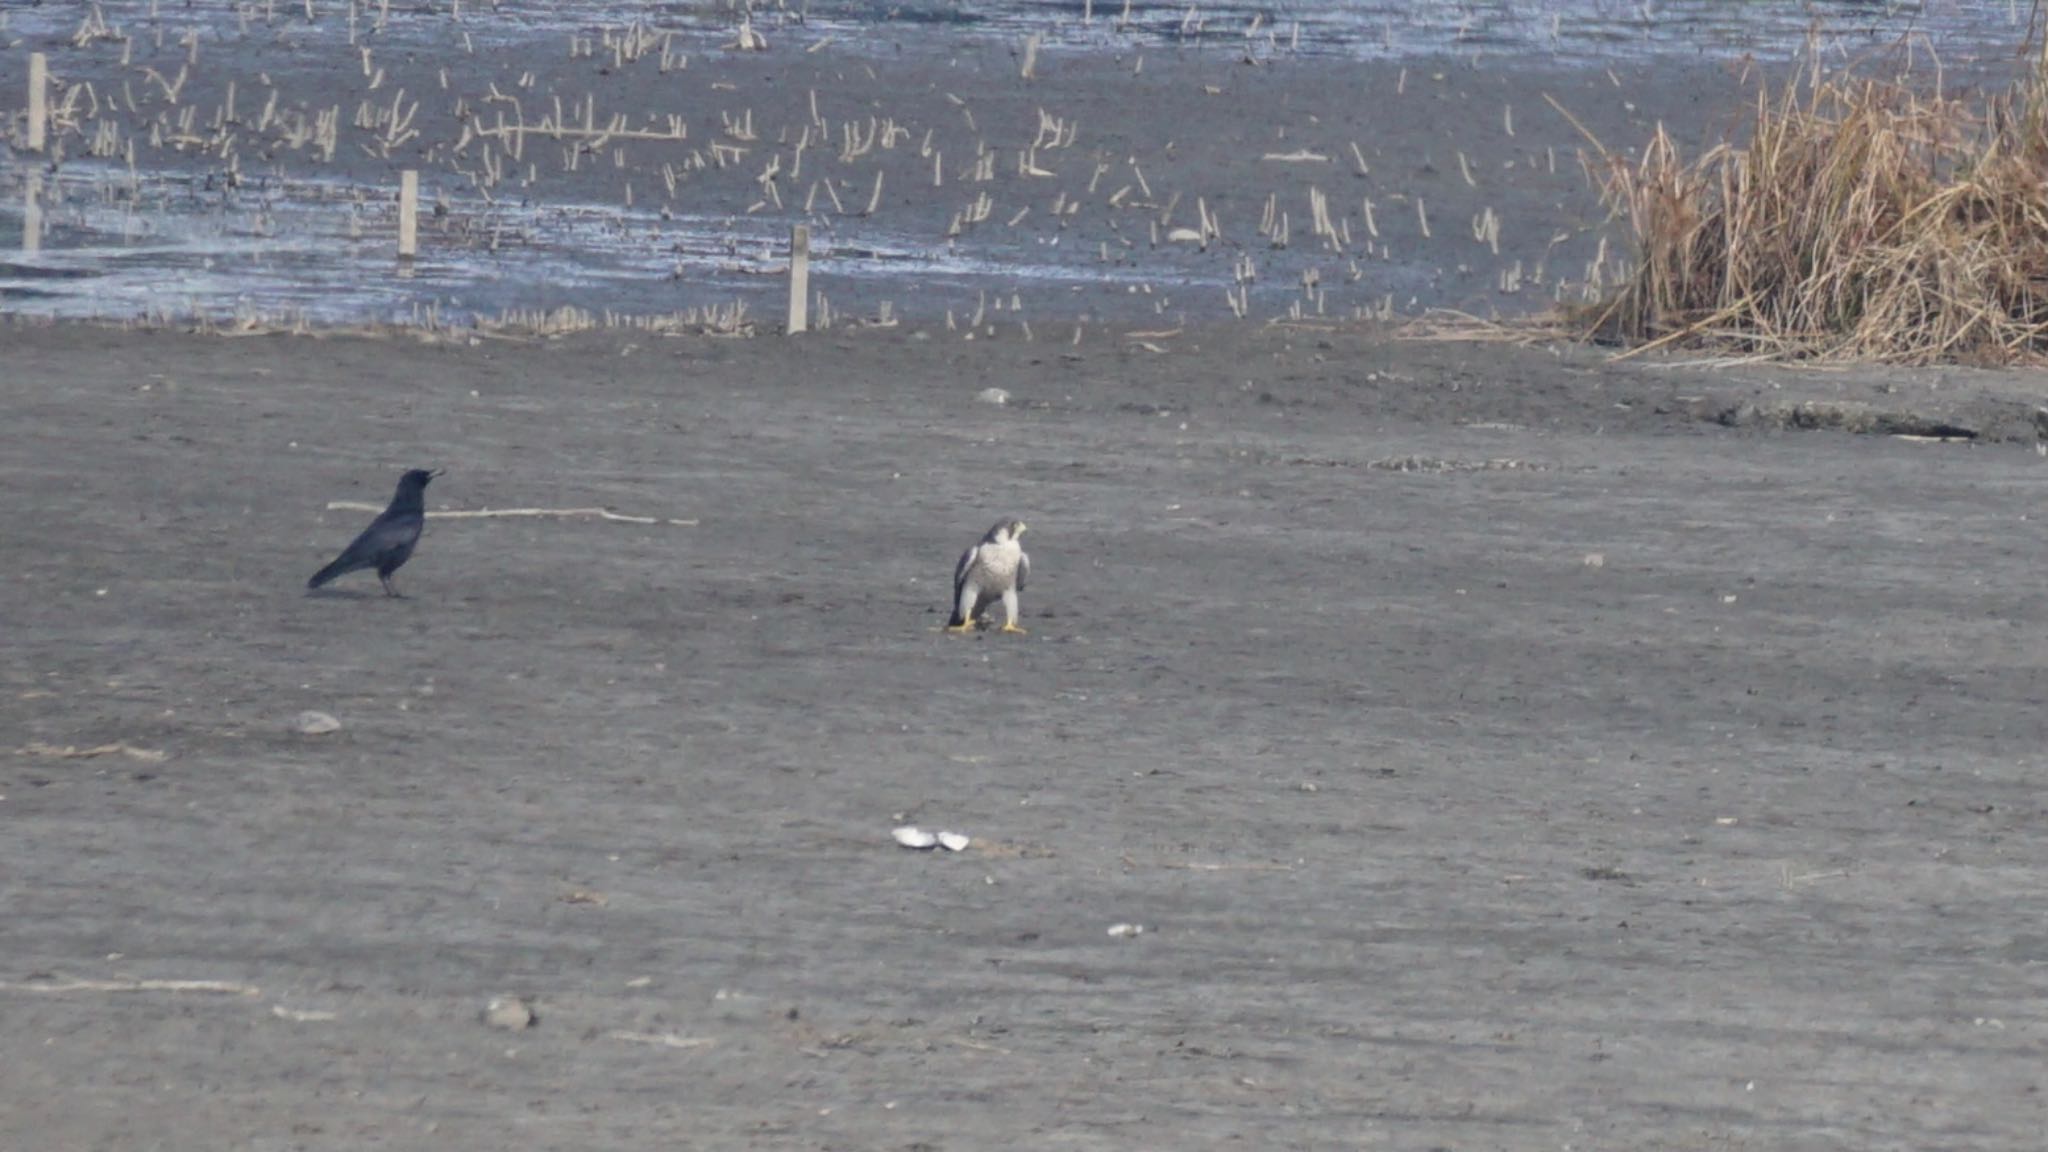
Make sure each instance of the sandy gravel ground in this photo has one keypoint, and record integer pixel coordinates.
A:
(1443, 834)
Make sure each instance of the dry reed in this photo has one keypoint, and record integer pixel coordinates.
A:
(1861, 221)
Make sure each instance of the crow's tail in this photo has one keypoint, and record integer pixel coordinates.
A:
(339, 567)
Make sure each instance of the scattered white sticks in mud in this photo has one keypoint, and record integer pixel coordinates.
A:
(480, 138)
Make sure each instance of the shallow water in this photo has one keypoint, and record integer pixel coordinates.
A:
(1570, 31)
(164, 241)
(319, 252)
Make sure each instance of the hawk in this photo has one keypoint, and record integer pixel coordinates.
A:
(994, 569)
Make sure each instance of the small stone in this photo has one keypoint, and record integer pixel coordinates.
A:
(995, 396)
(1596, 560)
(953, 841)
(509, 1013)
(1126, 931)
(311, 723)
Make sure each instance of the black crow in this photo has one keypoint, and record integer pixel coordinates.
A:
(387, 543)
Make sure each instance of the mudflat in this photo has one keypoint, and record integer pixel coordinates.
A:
(249, 167)
(1495, 753)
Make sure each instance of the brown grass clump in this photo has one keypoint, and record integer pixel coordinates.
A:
(1861, 221)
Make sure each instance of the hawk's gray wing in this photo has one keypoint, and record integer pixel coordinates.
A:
(1023, 569)
(961, 569)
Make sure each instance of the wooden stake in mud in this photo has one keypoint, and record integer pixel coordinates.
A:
(799, 278)
(32, 216)
(38, 96)
(408, 214)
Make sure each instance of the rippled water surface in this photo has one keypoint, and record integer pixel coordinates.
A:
(168, 240)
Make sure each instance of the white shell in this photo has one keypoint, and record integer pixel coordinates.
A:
(952, 841)
(315, 723)
(1122, 931)
(509, 1013)
(911, 836)
(994, 396)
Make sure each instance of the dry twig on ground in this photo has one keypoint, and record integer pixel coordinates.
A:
(497, 513)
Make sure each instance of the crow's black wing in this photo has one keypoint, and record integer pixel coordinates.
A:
(388, 538)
